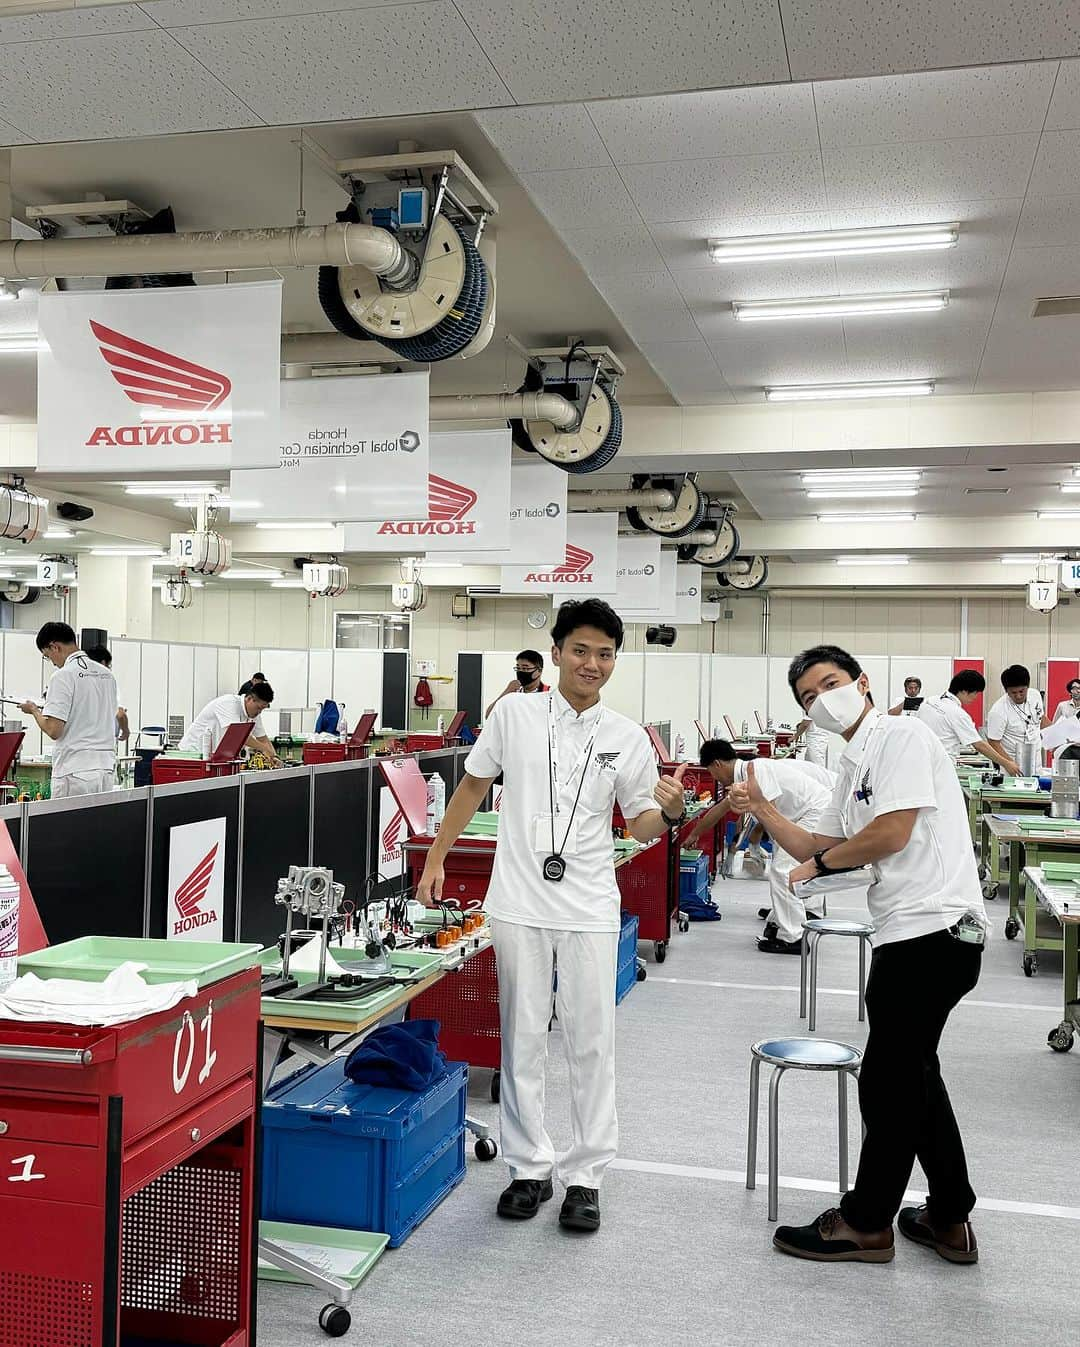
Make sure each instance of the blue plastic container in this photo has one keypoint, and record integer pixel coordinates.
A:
(626, 967)
(361, 1157)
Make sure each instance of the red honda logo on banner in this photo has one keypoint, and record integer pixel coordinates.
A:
(573, 571)
(448, 504)
(391, 836)
(192, 892)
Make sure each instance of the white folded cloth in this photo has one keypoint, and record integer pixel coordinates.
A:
(123, 996)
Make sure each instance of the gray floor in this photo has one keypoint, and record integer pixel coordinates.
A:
(684, 1255)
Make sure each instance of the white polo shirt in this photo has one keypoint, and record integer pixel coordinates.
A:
(217, 716)
(1066, 709)
(621, 767)
(799, 790)
(946, 717)
(1013, 726)
(83, 695)
(894, 763)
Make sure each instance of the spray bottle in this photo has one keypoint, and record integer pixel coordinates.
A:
(9, 928)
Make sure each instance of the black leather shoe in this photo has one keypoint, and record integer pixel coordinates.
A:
(521, 1200)
(830, 1239)
(764, 913)
(779, 946)
(580, 1209)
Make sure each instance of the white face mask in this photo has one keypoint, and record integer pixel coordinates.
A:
(838, 709)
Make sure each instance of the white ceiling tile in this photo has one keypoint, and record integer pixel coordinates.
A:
(938, 105)
(614, 249)
(550, 50)
(979, 219)
(682, 242)
(73, 23)
(689, 370)
(66, 90)
(649, 307)
(580, 198)
(173, 13)
(756, 280)
(1057, 164)
(703, 189)
(712, 125)
(748, 364)
(11, 135)
(538, 140)
(1065, 104)
(1038, 273)
(1030, 356)
(829, 39)
(915, 346)
(1047, 221)
(893, 175)
(415, 58)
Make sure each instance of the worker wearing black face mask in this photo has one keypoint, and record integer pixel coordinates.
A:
(528, 671)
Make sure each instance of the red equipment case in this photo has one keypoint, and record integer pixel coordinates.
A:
(224, 761)
(129, 1154)
(423, 743)
(354, 748)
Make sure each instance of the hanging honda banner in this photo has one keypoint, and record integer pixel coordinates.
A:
(468, 500)
(153, 380)
(637, 575)
(196, 904)
(588, 565)
(665, 607)
(392, 833)
(687, 595)
(350, 448)
(537, 519)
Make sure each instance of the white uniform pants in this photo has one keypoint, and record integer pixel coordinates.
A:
(788, 912)
(83, 783)
(585, 1004)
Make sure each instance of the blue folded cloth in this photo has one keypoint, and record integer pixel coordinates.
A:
(402, 1056)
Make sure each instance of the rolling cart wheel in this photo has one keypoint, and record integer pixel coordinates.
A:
(335, 1320)
(1061, 1038)
(486, 1149)
(1031, 965)
(989, 889)
(642, 972)
(496, 1087)
(684, 924)
(1012, 928)
(984, 873)
(660, 950)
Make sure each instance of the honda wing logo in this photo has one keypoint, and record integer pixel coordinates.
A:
(573, 571)
(391, 837)
(192, 893)
(448, 504)
(180, 392)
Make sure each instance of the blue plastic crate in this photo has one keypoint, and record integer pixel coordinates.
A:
(626, 963)
(361, 1157)
(697, 867)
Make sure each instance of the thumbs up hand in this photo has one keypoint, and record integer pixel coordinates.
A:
(668, 793)
(745, 796)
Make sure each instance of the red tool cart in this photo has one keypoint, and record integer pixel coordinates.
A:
(648, 883)
(224, 761)
(129, 1159)
(422, 743)
(356, 746)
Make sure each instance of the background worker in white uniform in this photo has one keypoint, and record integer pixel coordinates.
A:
(1017, 719)
(948, 717)
(911, 702)
(898, 809)
(100, 654)
(566, 760)
(231, 709)
(800, 791)
(1070, 707)
(528, 677)
(79, 715)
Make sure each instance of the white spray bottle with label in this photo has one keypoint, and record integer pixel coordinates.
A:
(9, 928)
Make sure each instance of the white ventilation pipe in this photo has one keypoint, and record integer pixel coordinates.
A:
(334, 245)
(699, 537)
(733, 568)
(656, 497)
(551, 407)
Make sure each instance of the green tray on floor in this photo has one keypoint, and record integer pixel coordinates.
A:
(334, 1244)
(93, 957)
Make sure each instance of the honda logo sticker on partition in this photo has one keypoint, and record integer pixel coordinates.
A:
(637, 574)
(687, 595)
(587, 567)
(537, 520)
(196, 905)
(392, 833)
(354, 448)
(468, 500)
(147, 380)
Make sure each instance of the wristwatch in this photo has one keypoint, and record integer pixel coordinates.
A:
(674, 822)
(819, 861)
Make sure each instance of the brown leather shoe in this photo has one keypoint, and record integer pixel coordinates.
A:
(954, 1243)
(830, 1239)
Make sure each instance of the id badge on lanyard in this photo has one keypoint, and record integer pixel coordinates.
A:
(558, 824)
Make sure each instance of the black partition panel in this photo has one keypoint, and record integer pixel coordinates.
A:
(195, 806)
(275, 837)
(470, 682)
(14, 828)
(343, 823)
(395, 689)
(85, 868)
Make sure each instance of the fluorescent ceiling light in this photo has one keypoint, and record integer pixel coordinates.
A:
(880, 559)
(1058, 514)
(860, 478)
(898, 388)
(172, 489)
(1070, 486)
(296, 524)
(218, 502)
(58, 533)
(1020, 561)
(232, 574)
(855, 492)
(15, 343)
(126, 552)
(287, 584)
(900, 517)
(833, 243)
(839, 306)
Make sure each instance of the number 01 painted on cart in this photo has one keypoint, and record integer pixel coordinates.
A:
(184, 1048)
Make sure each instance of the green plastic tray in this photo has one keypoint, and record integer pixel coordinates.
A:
(1042, 823)
(689, 854)
(93, 957)
(482, 825)
(1067, 872)
(368, 1249)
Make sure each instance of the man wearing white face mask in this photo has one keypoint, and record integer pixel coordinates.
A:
(898, 809)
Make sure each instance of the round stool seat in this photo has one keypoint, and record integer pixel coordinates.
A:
(807, 1054)
(839, 926)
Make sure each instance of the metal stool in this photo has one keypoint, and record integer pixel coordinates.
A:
(812, 933)
(796, 1054)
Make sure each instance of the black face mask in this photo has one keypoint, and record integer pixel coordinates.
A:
(525, 677)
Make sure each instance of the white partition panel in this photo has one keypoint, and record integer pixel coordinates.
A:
(320, 676)
(249, 664)
(625, 690)
(673, 693)
(738, 686)
(25, 675)
(205, 678)
(357, 682)
(934, 670)
(287, 673)
(876, 668)
(782, 706)
(228, 670)
(182, 682)
(498, 670)
(127, 670)
(154, 707)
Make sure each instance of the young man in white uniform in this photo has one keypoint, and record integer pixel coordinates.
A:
(231, 709)
(947, 716)
(566, 760)
(79, 715)
(897, 808)
(800, 791)
(1070, 707)
(1017, 719)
